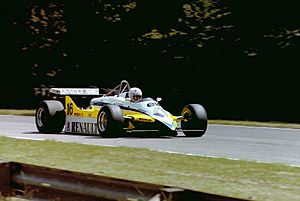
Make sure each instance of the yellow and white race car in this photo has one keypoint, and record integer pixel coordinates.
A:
(113, 114)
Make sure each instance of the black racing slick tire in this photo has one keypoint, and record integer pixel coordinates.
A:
(110, 121)
(50, 116)
(194, 122)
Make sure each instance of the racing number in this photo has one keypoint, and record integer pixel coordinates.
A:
(69, 108)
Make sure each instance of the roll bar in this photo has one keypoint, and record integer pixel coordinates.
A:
(122, 87)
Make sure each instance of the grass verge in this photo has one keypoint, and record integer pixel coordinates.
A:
(256, 123)
(29, 112)
(242, 179)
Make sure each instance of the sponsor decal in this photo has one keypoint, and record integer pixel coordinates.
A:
(143, 119)
(81, 127)
(159, 112)
(75, 91)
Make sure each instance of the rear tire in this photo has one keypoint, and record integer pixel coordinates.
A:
(50, 116)
(110, 121)
(194, 123)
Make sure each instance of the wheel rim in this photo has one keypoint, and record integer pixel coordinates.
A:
(102, 121)
(186, 115)
(40, 117)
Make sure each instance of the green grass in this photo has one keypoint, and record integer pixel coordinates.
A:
(256, 123)
(29, 112)
(242, 179)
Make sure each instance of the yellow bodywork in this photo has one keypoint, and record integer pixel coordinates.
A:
(72, 110)
(92, 112)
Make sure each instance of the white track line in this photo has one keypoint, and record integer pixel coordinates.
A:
(27, 138)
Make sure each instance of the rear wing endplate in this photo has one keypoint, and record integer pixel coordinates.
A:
(74, 91)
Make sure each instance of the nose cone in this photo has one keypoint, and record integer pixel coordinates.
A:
(164, 117)
(171, 124)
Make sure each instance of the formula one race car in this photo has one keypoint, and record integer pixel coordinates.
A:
(114, 114)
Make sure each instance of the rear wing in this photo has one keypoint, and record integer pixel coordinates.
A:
(82, 96)
(74, 91)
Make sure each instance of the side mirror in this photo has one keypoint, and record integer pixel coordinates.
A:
(158, 99)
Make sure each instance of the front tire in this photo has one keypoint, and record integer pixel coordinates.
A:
(110, 121)
(194, 123)
(50, 116)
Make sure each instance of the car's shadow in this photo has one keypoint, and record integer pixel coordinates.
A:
(124, 136)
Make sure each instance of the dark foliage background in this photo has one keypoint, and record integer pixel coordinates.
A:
(237, 58)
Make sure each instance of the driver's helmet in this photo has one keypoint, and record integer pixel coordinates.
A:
(135, 94)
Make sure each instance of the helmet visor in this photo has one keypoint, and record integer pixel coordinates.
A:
(137, 97)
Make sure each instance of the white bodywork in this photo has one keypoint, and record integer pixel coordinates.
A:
(146, 106)
(74, 91)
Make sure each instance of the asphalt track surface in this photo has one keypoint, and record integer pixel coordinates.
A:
(261, 144)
